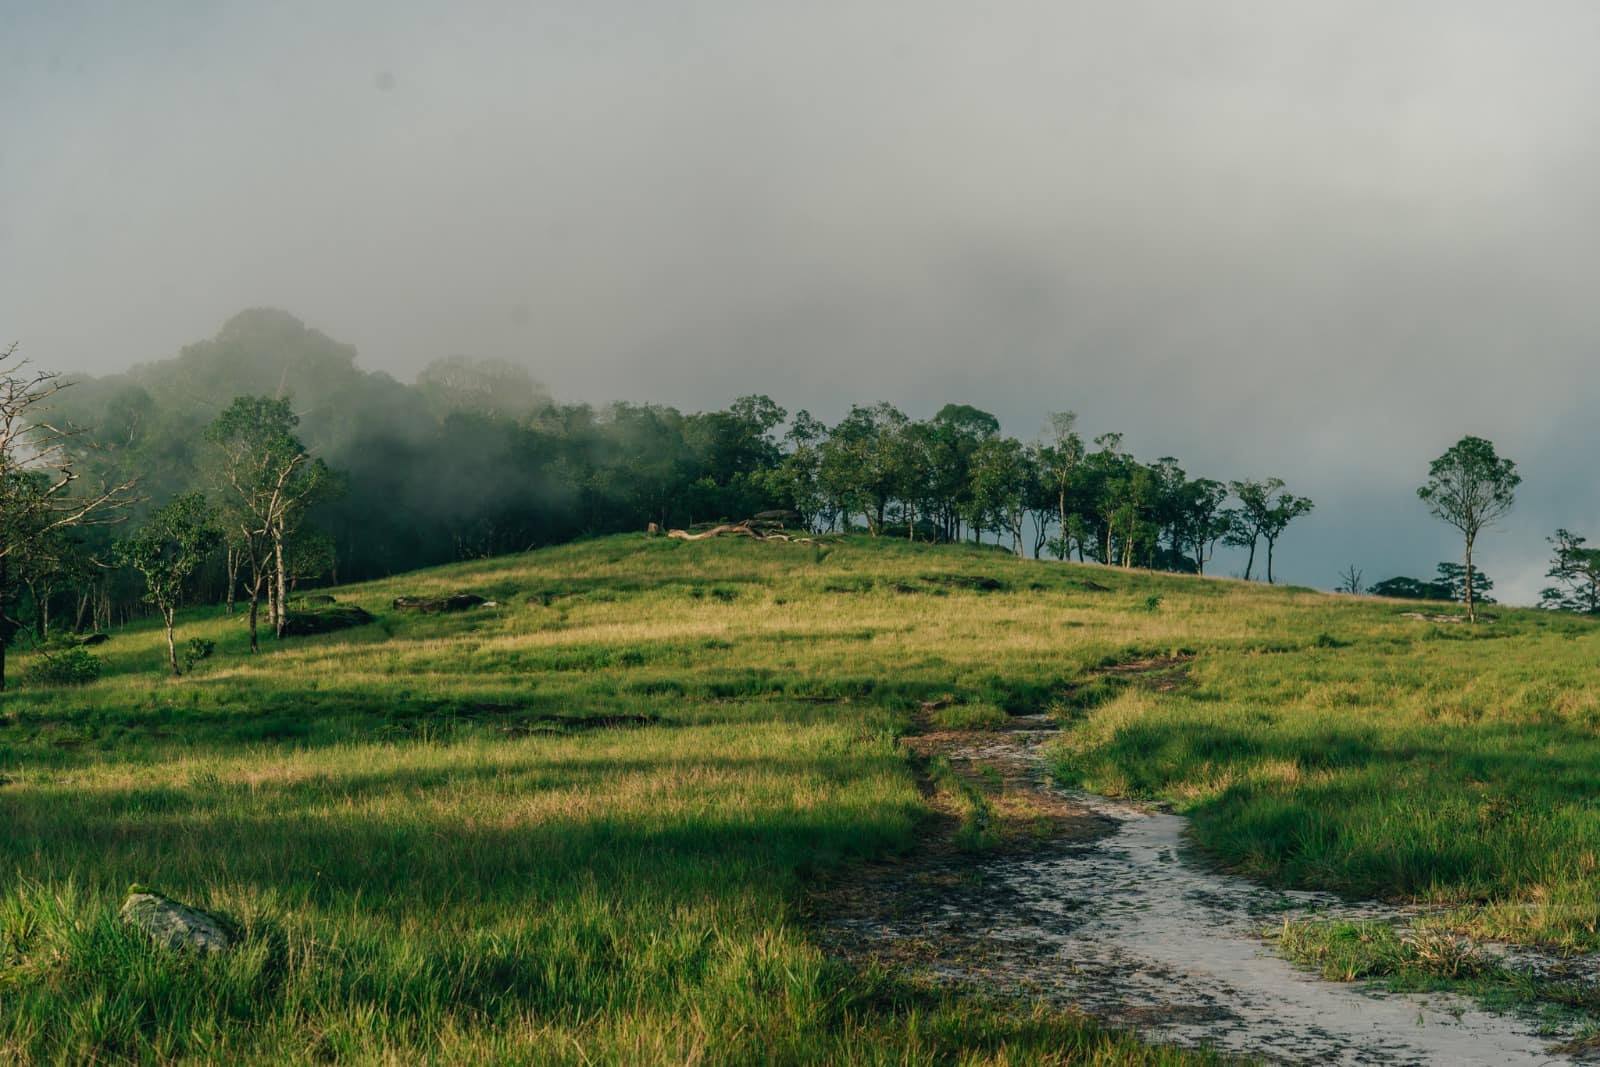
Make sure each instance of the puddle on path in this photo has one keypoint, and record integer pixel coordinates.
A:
(1119, 925)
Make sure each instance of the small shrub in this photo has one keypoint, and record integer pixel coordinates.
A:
(197, 649)
(74, 666)
(1153, 602)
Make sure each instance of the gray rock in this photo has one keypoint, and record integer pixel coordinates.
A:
(175, 925)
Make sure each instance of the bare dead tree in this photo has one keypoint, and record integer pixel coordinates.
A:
(1350, 581)
(40, 494)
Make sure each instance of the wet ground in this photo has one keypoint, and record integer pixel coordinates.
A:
(1105, 914)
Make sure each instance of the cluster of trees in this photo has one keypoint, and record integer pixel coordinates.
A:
(955, 476)
(1471, 488)
(1449, 583)
(265, 458)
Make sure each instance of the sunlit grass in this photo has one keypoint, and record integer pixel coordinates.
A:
(573, 828)
(579, 826)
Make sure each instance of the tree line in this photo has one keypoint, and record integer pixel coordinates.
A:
(262, 461)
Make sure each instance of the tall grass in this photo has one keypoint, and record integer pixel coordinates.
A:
(575, 828)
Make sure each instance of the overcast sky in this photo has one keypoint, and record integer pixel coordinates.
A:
(1317, 240)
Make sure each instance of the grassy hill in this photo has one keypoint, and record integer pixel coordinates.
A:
(578, 826)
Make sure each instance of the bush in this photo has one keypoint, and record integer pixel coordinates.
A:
(196, 650)
(74, 666)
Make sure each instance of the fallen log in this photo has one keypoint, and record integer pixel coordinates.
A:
(732, 529)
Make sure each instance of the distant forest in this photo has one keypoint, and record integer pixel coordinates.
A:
(475, 459)
(264, 462)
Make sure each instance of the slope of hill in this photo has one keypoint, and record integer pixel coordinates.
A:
(578, 825)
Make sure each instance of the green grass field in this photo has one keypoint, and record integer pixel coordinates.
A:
(579, 827)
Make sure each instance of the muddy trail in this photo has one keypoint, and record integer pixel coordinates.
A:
(1098, 910)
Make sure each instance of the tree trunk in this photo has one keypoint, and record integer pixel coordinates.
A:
(5, 576)
(1472, 612)
(1251, 562)
(281, 601)
(255, 607)
(1270, 542)
(233, 575)
(1061, 508)
(172, 648)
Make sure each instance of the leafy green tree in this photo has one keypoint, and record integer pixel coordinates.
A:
(167, 550)
(954, 434)
(1058, 460)
(1205, 520)
(1265, 510)
(1105, 472)
(1285, 509)
(796, 480)
(859, 462)
(264, 480)
(1000, 476)
(1576, 570)
(1470, 488)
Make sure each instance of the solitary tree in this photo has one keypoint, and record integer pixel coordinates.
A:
(1470, 488)
(167, 550)
(38, 495)
(1350, 580)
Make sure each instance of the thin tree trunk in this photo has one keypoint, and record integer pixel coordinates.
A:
(5, 576)
(1270, 542)
(281, 601)
(258, 579)
(1472, 611)
(233, 575)
(172, 648)
(1251, 562)
(1061, 508)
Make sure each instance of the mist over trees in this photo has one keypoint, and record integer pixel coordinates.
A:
(314, 470)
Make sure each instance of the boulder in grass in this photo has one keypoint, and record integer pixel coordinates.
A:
(177, 926)
(434, 605)
(325, 621)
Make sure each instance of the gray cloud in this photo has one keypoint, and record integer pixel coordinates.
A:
(1321, 241)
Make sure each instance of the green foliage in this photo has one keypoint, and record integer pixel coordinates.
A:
(1576, 570)
(1401, 587)
(71, 666)
(1471, 488)
(195, 650)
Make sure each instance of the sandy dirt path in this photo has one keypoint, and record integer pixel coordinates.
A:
(1107, 916)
